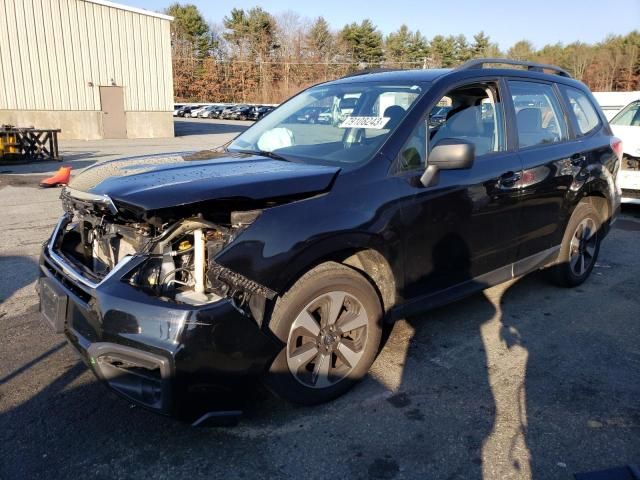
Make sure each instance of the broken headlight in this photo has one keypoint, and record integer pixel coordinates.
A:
(181, 265)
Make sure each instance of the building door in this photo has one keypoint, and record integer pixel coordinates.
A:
(113, 118)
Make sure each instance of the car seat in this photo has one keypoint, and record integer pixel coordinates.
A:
(466, 125)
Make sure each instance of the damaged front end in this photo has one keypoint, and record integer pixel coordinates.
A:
(176, 257)
(143, 300)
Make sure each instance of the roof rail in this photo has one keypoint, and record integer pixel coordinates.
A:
(368, 71)
(531, 66)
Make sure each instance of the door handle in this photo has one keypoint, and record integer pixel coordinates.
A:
(509, 179)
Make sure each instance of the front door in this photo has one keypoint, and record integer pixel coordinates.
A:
(462, 229)
(114, 124)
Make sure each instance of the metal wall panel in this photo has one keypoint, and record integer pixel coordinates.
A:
(54, 55)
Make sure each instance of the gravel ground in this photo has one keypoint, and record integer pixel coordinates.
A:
(524, 380)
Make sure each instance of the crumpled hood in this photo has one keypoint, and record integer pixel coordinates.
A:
(162, 181)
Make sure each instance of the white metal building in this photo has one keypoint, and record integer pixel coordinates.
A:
(93, 68)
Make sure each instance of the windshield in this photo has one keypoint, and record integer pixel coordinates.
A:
(628, 116)
(343, 123)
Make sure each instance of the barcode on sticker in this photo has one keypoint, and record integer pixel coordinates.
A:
(375, 123)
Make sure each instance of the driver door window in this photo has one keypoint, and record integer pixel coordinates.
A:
(472, 113)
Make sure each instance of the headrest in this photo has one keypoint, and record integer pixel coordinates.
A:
(529, 120)
(465, 123)
(395, 113)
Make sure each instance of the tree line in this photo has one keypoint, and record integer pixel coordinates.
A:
(256, 56)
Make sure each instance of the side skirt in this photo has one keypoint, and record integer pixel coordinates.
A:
(433, 300)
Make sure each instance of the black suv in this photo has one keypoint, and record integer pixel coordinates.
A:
(183, 278)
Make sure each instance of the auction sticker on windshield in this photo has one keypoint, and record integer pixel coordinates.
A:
(376, 123)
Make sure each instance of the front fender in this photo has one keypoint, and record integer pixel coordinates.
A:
(288, 240)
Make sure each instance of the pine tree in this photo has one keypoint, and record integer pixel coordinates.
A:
(462, 51)
(319, 40)
(480, 46)
(252, 33)
(362, 43)
(405, 46)
(190, 33)
(443, 50)
(522, 50)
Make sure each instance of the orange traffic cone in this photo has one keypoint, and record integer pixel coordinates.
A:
(61, 177)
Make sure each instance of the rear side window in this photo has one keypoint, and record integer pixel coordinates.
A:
(539, 117)
(583, 110)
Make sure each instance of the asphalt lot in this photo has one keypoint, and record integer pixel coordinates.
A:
(525, 380)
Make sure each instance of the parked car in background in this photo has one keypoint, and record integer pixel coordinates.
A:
(626, 126)
(176, 109)
(206, 111)
(325, 116)
(258, 112)
(308, 115)
(226, 110)
(241, 113)
(185, 111)
(212, 111)
(612, 102)
(229, 112)
(439, 115)
(197, 111)
(282, 256)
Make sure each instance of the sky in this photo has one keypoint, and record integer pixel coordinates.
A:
(505, 21)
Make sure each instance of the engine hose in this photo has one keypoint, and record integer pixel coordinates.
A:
(173, 272)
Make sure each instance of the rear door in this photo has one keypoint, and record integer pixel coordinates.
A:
(551, 158)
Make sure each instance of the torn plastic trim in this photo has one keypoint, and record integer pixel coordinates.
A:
(247, 296)
(89, 198)
(71, 272)
(234, 279)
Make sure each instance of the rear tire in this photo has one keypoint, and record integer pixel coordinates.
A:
(580, 247)
(331, 324)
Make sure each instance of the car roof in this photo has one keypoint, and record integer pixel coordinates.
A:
(426, 75)
(471, 69)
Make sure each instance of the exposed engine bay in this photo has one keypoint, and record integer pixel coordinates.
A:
(179, 263)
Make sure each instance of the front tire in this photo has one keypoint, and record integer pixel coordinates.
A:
(330, 322)
(580, 247)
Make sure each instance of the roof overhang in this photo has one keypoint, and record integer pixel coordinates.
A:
(119, 6)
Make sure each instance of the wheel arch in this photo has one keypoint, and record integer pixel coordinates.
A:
(363, 253)
(597, 191)
(600, 203)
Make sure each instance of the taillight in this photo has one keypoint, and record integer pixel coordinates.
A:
(616, 146)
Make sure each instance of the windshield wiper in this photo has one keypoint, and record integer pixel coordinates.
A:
(263, 153)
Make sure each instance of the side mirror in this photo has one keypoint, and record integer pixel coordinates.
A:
(448, 154)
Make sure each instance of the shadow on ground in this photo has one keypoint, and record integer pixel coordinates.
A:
(17, 272)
